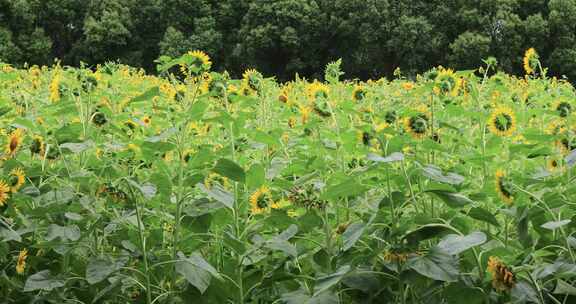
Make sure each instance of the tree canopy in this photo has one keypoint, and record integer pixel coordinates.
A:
(284, 37)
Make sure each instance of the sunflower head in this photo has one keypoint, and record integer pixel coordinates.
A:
(21, 264)
(17, 179)
(37, 145)
(503, 279)
(502, 121)
(14, 142)
(530, 61)
(215, 178)
(4, 192)
(504, 187)
(318, 90)
(359, 93)
(196, 62)
(55, 89)
(552, 165)
(261, 201)
(563, 108)
(447, 82)
(417, 125)
(253, 79)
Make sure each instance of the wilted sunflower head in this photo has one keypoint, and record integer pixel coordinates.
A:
(502, 121)
(21, 264)
(14, 142)
(253, 79)
(503, 279)
(504, 187)
(359, 93)
(530, 61)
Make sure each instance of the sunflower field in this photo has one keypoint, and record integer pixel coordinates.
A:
(192, 187)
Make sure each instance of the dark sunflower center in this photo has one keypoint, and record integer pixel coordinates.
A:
(505, 188)
(36, 146)
(503, 122)
(13, 181)
(366, 138)
(554, 164)
(564, 109)
(390, 117)
(419, 124)
(359, 94)
(13, 144)
(568, 144)
(321, 94)
(262, 202)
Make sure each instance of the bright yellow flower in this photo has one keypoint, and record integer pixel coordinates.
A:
(21, 264)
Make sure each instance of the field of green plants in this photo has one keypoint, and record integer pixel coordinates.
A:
(191, 187)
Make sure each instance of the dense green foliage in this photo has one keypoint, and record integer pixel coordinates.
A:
(283, 37)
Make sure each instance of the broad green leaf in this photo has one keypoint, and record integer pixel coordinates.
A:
(436, 174)
(436, 264)
(196, 270)
(256, 176)
(99, 269)
(394, 157)
(64, 233)
(481, 214)
(77, 147)
(455, 244)
(43, 280)
(452, 199)
(326, 282)
(218, 193)
(149, 94)
(230, 169)
(564, 288)
(352, 235)
(556, 224)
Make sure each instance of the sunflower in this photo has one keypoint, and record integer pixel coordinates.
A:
(502, 121)
(503, 279)
(503, 187)
(21, 264)
(394, 256)
(552, 164)
(318, 90)
(408, 85)
(198, 63)
(215, 178)
(54, 89)
(304, 113)
(14, 142)
(252, 79)
(417, 125)
(530, 61)
(359, 93)
(291, 122)
(555, 127)
(261, 201)
(17, 179)
(146, 120)
(4, 192)
(37, 146)
(563, 108)
(447, 82)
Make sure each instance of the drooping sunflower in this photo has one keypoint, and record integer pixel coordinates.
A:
(252, 79)
(563, 108)
(447, 82)
(503, 279)
(502, 183)
(530, 61)
(21, 264)
(37, 146)
(4, 192)
(261, 201)
(502, 121)
(215, 178)
(17, 179)
(417, 125)
(14, 142)
(359, 93)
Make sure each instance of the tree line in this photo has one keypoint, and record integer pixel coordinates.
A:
(284, 37)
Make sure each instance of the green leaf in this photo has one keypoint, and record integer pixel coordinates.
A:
(196, 270)
(162, 183)
(436, 264)
(436, 174)
(459, 293)
(197, 110)
(556, 224)
(67, 233)
(455, 244)
(394, 157)
(230, 169)
(452, 199)
(256, 176)
(483, 215)
(352, 235)
(218, 193)
(326, 282)
(149, 94)
(349, 188)
(564, 288)
(78, 147)
(425, 232)
(99, 269)
(43, 280)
